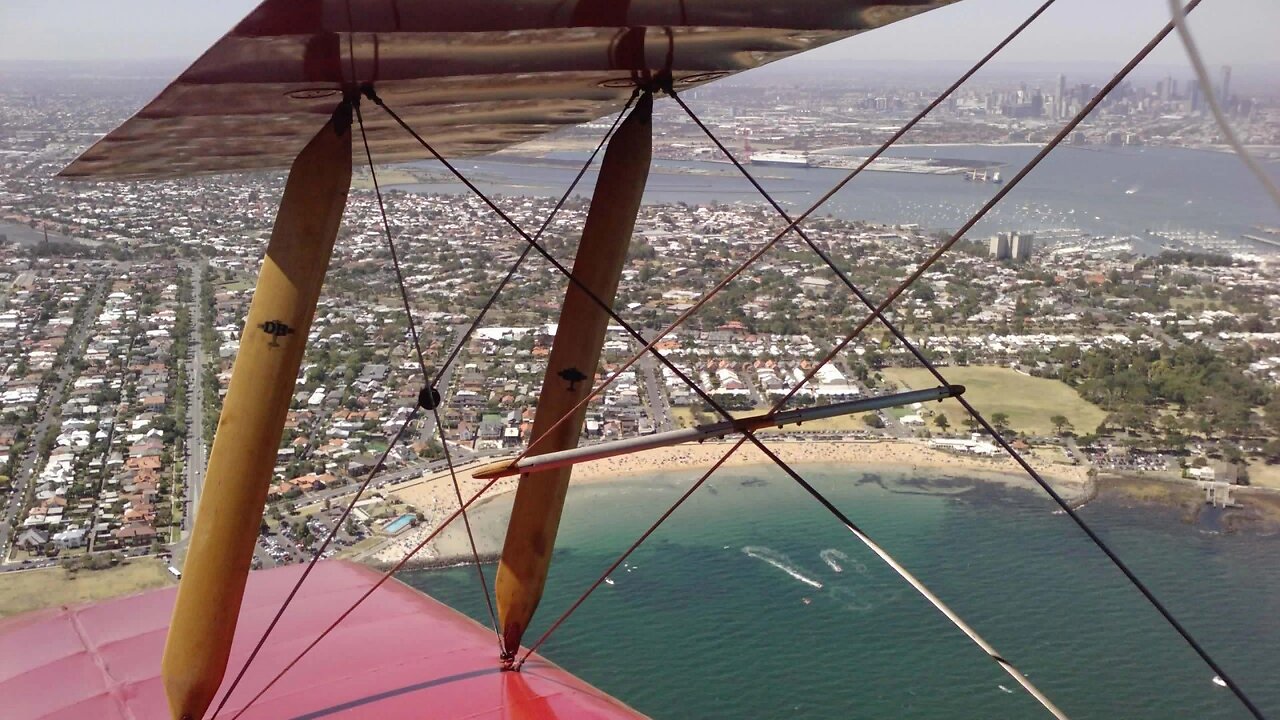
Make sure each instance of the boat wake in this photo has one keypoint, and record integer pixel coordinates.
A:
(832, 557)
(780, 561)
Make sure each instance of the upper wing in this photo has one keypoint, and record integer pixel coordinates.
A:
(471, 76)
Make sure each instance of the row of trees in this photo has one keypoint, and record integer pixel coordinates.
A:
(1176, 392)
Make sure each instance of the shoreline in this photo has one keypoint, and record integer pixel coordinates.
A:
(435, 497)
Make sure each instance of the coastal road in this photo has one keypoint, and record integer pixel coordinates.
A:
(49, 408)
(658, 407)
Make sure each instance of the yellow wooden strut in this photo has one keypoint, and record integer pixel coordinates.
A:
(253, 415)
(571, 370)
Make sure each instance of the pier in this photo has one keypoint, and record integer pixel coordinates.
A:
(1217, 494)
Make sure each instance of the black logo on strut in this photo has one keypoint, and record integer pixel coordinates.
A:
(276, 329)
(573, 375)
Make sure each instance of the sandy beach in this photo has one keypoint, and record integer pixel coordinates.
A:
(436, 498)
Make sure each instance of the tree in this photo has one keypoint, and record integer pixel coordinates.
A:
(1000, 421)
(873, 420)
(1061, 425)
(941, 421)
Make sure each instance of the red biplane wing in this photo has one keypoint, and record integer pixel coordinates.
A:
(400, 655)
(473, 77)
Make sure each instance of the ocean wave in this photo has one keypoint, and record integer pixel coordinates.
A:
(780, 561)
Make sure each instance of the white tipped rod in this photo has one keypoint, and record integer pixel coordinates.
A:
(537, 463)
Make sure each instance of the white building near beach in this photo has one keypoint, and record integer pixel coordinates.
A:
(974, 445)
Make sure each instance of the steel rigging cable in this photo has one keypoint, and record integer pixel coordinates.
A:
(413, 415)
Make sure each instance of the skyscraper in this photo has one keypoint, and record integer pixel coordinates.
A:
(1000, 246)
(1224, 90)
(1023, 245)
(1061, 99)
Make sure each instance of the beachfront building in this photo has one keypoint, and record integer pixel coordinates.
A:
(973, 445)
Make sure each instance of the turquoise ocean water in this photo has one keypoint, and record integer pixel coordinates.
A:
(752, 602)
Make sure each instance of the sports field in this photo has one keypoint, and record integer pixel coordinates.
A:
(1028, 401)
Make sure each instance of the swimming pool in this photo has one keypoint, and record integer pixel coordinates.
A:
(399, 524)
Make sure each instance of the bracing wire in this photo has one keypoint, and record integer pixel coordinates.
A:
(702, 394)
(315, 557)
(559, 267)
(365, 596)
(966, 629)
(630, 330)
(742, 267)
(462, 506)
(878, 313)
(462, 341)
(573, 280)
(426, 376)
(980, 419)
(471, 539)
(391, 245)
(973, 412)
(413, 414)
(493, 297)
(533, 647)
(879, 151)
(1215, 107)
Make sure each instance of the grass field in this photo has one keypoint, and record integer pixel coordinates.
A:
(1264, 475)
(50, 587)
(1029, 402)
(684, 417)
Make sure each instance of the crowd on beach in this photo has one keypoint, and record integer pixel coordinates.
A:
(436, 498)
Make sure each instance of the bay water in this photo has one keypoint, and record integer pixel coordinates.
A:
(753, 602)
(1119, 191)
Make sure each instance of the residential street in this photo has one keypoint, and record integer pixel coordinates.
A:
(49, 409)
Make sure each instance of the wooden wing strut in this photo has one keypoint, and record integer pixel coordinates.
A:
(571, 368)
(253, 415)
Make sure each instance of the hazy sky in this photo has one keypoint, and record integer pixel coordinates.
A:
(1230, 31)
